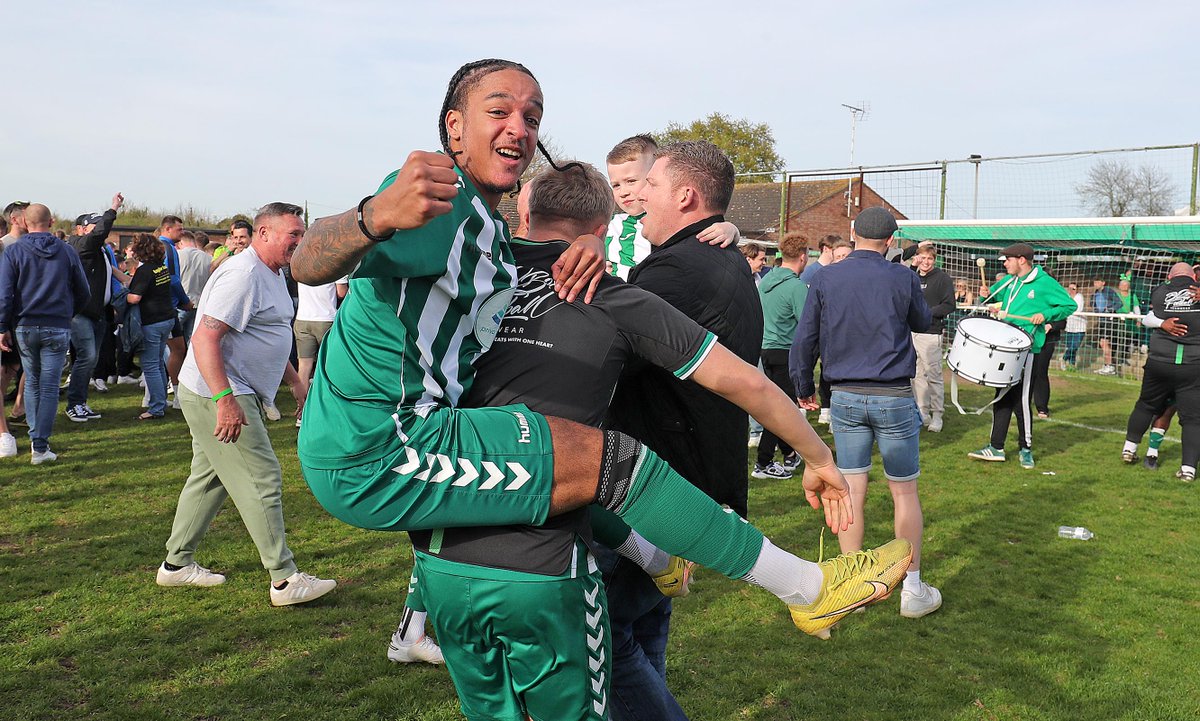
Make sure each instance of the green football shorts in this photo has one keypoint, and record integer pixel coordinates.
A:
(520, 643)
(454, 467)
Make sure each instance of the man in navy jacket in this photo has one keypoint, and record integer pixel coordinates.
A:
(859, 317)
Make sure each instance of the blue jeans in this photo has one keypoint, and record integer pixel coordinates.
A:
(859, 420)
(86, 335)
(187, 319)
(1071, 344)
(640, 619)
(154, 341)
(43, 355)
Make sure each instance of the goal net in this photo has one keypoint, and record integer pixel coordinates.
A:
(1110, 265)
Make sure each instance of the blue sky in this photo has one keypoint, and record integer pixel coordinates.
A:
(227, 105)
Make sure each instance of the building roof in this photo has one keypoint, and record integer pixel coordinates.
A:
(755, 207)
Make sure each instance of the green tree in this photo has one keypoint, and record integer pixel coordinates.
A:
(751, 146)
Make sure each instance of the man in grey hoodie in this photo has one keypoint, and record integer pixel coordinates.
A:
(42, 287)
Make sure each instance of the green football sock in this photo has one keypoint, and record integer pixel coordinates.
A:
(1156, 438)
(607, 527)
(681, 520)
(414, 600)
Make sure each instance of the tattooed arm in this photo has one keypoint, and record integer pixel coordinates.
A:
(206, 346)
(333, 246)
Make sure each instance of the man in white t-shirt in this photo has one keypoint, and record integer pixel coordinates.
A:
(314, 317)
(239, 352)
(194, 270)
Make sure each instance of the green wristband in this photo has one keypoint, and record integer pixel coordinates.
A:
(222, 394)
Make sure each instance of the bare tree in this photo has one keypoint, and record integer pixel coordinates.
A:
(1115, 189)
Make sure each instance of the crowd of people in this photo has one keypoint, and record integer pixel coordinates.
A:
(557, 419)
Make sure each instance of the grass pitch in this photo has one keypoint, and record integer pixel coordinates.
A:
(1032, 627)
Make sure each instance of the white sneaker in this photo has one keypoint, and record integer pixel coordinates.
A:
(823, 417)
(175, 403)
(753, 441)
(99, 385)
(112, 380)
(301, 588)
(142, 381)
(424, 651)
(192, 574)
(916, 605)
(146, 399)
(8, 445)
(45, 456)
(126, 381)
(935, 423)
(297, 421)
(272, 412)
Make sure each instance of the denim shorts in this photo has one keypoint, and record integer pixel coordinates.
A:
(892, 422)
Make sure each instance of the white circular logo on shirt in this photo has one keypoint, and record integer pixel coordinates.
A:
(491, 313)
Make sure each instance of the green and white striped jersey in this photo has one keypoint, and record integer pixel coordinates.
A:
(422, 307)
(624, 246)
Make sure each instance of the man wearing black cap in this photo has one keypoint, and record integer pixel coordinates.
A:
(860, 316)
(89, 324)
(1027, 298)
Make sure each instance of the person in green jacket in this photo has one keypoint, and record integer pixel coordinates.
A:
(1027, 298)
(782, 294)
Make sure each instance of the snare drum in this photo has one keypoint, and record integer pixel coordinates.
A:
(989, 352)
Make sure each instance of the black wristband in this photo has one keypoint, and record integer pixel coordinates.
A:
(363, 226)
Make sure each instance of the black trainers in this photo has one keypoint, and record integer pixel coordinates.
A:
(1151, 462)
(77, 414)
(771, 470)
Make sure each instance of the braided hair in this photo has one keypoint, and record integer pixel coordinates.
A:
(461, 84)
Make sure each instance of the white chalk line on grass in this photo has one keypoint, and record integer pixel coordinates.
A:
(1097, 429)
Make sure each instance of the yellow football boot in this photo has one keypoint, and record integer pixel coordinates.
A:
(673, 582)
(853, 581)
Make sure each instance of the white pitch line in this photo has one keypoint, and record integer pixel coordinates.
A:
(1097, 429)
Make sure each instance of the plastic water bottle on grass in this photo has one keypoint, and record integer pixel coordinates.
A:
(1078, 533)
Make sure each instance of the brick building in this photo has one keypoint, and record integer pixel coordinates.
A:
(816, 208)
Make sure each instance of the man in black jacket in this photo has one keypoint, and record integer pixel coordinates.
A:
(90, 323)
(697, 433)
(938, 289)
(1172, 368)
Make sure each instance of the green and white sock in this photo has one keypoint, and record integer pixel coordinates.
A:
(680, 519)
(1156, 438)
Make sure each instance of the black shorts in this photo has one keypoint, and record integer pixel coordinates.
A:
(1110, 328)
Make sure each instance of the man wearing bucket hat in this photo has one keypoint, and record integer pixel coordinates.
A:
(1027, 298)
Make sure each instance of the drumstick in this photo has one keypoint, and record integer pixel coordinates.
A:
(1018, 317)
(982, 277)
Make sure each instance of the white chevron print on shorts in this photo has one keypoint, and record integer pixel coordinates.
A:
(596, 656)
(439, 468)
